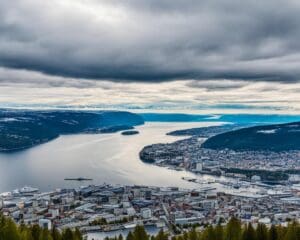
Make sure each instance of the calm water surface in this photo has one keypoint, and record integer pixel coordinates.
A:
(110, 158)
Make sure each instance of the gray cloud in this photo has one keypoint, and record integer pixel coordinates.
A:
(216, 85)
(141, 40)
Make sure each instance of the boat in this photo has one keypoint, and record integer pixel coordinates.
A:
(78, 179)
(6, 195)
(130, 225)
(26, 190)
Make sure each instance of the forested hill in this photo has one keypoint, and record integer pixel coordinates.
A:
(277, 137)
(24, 129)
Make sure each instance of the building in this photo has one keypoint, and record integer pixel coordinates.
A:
(45, 223)
(146, 213)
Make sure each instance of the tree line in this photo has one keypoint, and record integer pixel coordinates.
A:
(9, 230)
(233, 230)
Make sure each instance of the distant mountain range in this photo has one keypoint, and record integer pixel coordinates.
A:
(233, 118)
(276, 137)
(23, 129)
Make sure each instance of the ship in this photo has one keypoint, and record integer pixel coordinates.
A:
(78, 179)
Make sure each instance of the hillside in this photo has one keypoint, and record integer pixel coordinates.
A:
(277, 137)
(24, 129)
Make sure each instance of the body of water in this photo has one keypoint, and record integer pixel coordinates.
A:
(111, 158)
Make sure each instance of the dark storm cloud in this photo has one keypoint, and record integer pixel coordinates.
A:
(141, 40)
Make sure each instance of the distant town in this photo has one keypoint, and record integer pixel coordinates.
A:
(274, 167)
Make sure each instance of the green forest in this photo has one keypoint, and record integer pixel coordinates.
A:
(233, 230)
(11, 231)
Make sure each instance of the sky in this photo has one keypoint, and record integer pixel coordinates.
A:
(151, 55)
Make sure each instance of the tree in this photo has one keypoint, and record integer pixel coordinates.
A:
(10, 230)
(130, 236)
(185, 236)
(272, 234)
(55, 234)
(35, 232)
(26, 234)
(209, 234)
(261, 232)
(219, 232)
(233, 229)
(281, 231)
(161, 235)
(249, 233)
(45, 235)
(78, 236)
(67, 234)
(291, 233)
(139, 233)
(193, 234)
(2, 225)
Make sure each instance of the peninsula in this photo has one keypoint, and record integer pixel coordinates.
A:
(21, 129)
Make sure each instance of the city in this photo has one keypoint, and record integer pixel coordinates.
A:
(108, 208)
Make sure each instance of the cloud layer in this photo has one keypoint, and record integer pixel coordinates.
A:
(30, 89)
(153, 41)
(178, 55)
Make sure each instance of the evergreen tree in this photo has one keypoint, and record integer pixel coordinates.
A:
(2, 225)
(298, 231)
(272, 234)
(261, 232)
(67, 234)
(130, 236)
(249, 233)
(291, 233)
(10, 230)
(139, 233)
(185, 236)
(55, 234)
(193, 234)
(26, 234)
(35, 232)
(219, 232)
(211, 233)
(161, 235)
(281, 231)
(45, 234)
(233, 229)
(78, 236)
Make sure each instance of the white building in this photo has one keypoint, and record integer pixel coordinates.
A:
(45, 223)
(130, 211)
(146, 213)
(54, 212)
(199, 166)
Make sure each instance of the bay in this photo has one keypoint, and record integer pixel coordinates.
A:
(106, 158)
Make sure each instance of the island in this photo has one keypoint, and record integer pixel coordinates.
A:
(22, 129)
(130, 132)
